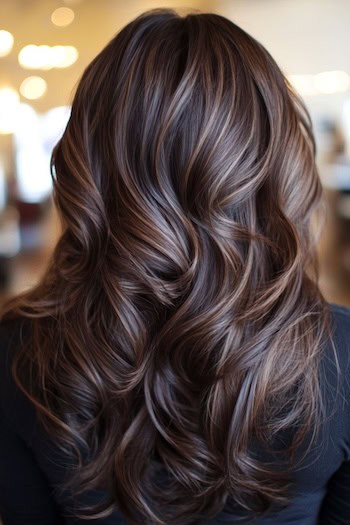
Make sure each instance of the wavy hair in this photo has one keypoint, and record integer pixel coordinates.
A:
(179, 322)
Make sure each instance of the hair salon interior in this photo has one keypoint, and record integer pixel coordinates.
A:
(45, 46)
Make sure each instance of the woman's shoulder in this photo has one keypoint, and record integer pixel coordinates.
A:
(340, 312)
(340, 320)
(13, 332)
(11, 325)
(338, 355)
(15, 409)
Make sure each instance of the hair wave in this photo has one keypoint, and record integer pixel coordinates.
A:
(179, 321)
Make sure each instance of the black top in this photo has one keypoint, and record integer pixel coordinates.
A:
(31, 466)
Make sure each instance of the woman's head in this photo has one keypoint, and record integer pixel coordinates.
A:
(178, 291)
(181, 120)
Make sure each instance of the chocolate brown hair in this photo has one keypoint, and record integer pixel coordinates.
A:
(179, 321)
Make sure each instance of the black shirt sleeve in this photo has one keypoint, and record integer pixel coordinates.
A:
(335, 509)
(25, 496)
(336, 505)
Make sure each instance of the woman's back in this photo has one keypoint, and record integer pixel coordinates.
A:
(179, 323)
(32, 466)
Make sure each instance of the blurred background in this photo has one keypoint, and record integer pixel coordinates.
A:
(45, 46)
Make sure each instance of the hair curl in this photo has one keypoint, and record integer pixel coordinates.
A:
(179, 320)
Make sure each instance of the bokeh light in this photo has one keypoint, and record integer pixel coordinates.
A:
(6, 42)
(33, 87)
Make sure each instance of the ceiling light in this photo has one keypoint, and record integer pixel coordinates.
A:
(6, 42)
(304, 84)
(62, 16)
(66, 57)
(332, 81)
(34, 57)
(323, 83)
(47, 57)
(9, 103)
(33, 87)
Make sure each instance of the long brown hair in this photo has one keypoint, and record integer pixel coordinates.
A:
(180, 321)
